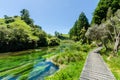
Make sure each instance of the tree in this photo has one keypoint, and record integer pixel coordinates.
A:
(53, 41)
(101, 10)
(115, 5)
(73, 31)
(26, 17)
(109, 13)
(57, 33)
(98, 33)
(82, 21)
(8, 19)
(77, 32)
(107, 32)
(115, 22)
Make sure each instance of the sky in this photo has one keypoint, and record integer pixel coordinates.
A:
(51, 15)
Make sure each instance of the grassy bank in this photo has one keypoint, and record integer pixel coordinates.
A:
(113, 63)
(71, 62)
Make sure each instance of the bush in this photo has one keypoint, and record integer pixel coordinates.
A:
(53, 41)
(9, 20)
(68, 57)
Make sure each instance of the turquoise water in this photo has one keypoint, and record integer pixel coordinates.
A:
(40, 70)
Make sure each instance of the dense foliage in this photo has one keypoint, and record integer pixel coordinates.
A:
(26, 17)
(77, 32)
(100, 13)
(53, 41)
(20, 33)
(108, 32)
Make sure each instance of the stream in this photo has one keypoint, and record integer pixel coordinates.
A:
(39, 72)
(40, 69)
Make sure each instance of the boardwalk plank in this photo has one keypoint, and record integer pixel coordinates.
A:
(95, 68)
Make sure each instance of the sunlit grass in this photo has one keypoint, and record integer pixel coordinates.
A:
(70, 72)
(113, 62)
(71, 62)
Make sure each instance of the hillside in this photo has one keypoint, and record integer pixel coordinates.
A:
(19, 24)
(16, 34)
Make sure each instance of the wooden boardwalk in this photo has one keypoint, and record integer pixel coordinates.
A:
(95, 68)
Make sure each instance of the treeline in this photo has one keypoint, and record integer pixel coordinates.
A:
(105, 26)
(20, 33)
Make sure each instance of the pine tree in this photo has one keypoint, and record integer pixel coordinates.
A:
(75, 31)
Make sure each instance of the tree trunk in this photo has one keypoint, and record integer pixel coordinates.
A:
(116, 44)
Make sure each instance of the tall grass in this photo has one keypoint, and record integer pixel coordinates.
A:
(71, 62)
(112, 62)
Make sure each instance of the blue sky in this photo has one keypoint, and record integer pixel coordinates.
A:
(52, 15)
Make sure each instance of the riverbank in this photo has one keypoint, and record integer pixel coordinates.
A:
(69, 56)
(113, 62)
(71, 62)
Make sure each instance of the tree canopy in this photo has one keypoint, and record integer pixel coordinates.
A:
(108, 32)
(26, 17)
(101, 10)
(79, 28)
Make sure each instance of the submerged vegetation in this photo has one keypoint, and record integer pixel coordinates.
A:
(19, 65)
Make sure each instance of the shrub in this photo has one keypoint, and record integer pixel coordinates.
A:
(53, 41)
(9, 20)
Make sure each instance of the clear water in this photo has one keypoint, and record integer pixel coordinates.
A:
(40, 70)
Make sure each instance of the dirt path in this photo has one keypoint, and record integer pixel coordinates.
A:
(95, 68)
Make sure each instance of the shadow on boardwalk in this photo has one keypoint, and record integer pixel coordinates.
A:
(95, 68)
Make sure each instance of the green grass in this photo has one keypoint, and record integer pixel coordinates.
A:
(113, 63)
(71, 62)
(70, 72)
